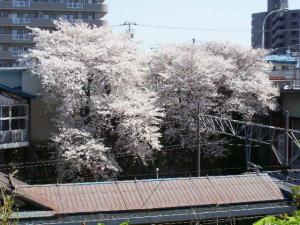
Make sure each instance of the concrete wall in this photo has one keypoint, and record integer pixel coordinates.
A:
(41, 124)
(30, 83)
(11, 78)
(291, 103)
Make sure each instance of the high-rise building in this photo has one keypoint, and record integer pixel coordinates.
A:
(16, 15)
(281, 28)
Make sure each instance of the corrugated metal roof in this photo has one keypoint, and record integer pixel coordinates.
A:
(155, 194)
(4, 181)
(29, 196)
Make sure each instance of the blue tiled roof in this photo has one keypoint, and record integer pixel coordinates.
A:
(17, 92)
(285, 59)
(12, 69)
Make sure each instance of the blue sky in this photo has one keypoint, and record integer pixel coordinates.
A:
(208, 14)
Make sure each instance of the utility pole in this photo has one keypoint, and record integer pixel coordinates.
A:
(248, 147)
(287, 127)
(129, 27)
(198, 143)
(264, 22)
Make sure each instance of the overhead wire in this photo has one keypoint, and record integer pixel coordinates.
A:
(164, 175)
(184, 28)
(33, 164)
(242, 63)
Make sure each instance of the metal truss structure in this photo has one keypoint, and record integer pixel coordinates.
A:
(279, 139)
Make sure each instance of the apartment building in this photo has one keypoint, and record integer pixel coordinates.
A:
(281, 28)
(16, 15)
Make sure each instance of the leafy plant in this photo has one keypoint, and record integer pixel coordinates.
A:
(7, 203)
(296, 195)
(283, 220)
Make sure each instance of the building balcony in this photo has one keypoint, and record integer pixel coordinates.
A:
(15, 38)
(11, 54)
(14, 139)
(6, 55)
(287, 84)
(277, 42)
(282, 75)
(278, 26)
(55, 6)
(40, 22)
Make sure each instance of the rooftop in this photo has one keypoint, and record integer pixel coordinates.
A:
(153, 194)
(281, 58)
(149, 201)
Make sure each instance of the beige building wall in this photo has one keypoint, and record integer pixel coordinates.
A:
(41, 115)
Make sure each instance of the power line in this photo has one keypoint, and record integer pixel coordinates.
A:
(166, 27)
(167, 148)
(192, 28)
(187, 173)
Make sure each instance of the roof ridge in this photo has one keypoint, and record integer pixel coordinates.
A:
(144, 180)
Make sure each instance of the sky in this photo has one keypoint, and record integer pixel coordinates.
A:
(233, 17)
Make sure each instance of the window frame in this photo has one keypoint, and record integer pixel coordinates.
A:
(10, 118)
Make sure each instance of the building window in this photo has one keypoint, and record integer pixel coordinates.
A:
(294, 24)
(295, 15)
(13, 117)
(285, 67)
(17, 20)
(18, 124)
(19, 50)
(20, 3)
(5, 112)
(4, 122)
(4, 125)
(294, 42)
(295, 33)
(75, 5)
(18, 111)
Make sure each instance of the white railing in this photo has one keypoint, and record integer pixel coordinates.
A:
(21, 3)
(21, 36)
(287, 84)
(282, 72)
(13, 136)
(19, 136)
(20, 20)
(18, 53)
(75, 5)
(74, 20)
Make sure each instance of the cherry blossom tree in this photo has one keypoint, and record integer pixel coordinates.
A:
(96, 81)
(225, 79)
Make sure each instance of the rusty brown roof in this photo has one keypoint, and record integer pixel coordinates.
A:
(31, 197)
(154, 194)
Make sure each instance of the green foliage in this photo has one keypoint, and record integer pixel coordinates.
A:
(6, 210)
(124, 223)
(296, 195)
(283, 220)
